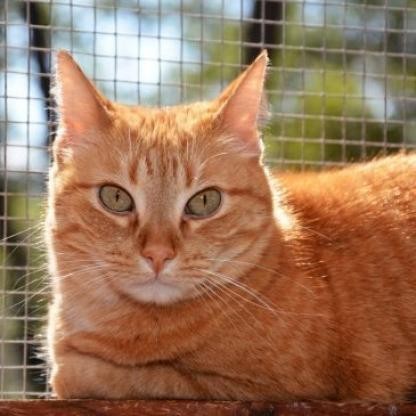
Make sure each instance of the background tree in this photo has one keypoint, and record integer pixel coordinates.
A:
(265, 31)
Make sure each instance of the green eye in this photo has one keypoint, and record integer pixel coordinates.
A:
(115, 199)
(204, 203)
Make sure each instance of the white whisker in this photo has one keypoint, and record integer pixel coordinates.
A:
(267, 269)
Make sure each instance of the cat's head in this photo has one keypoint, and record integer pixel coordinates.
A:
(158, 204)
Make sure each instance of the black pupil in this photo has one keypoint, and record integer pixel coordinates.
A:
(117, 196)
(204, 199)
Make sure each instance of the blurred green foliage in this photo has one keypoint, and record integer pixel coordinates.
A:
(341, 83)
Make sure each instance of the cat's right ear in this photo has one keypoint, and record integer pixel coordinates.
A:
(243, 107)
(81, 108)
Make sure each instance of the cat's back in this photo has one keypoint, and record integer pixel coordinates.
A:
(359, 230)
(360, 225)
(379, 196)
(362, 216)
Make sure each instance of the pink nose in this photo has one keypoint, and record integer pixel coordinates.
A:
(157, 255)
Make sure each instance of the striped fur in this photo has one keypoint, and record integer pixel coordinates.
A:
(300, 286)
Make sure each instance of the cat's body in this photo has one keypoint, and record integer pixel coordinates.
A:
(310, 279)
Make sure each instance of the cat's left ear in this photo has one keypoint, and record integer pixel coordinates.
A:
(243, 106)
(81, 107)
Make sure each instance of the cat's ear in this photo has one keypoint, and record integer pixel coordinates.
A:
(243, 105)
(81, 108)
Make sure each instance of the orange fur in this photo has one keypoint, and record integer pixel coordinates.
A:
(300, 286)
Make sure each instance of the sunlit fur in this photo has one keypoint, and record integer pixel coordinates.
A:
(301, 286)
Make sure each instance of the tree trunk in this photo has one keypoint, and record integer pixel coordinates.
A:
(37, 15)
(266, 31)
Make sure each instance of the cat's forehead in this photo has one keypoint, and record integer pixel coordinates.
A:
(168, 125)
(161, 145)
(166, 142)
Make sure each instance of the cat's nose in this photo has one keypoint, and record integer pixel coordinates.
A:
(157, 255)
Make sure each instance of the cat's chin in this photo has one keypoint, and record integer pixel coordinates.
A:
(157, 292)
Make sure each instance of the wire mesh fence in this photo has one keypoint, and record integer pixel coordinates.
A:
(341, 87)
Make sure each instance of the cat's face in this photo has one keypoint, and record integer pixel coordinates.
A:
(160, 204)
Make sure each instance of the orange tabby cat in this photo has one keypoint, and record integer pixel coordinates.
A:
(182, 269)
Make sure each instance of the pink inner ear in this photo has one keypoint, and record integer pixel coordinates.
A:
(241, 118)
(245, 107)
(80, 105)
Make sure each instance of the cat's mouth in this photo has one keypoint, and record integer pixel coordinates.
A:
(157, 280)
(156, 290)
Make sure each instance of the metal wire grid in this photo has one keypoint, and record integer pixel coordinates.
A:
(341, 86)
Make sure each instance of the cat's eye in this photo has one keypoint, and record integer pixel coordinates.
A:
(204, 203)
(115, 198)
